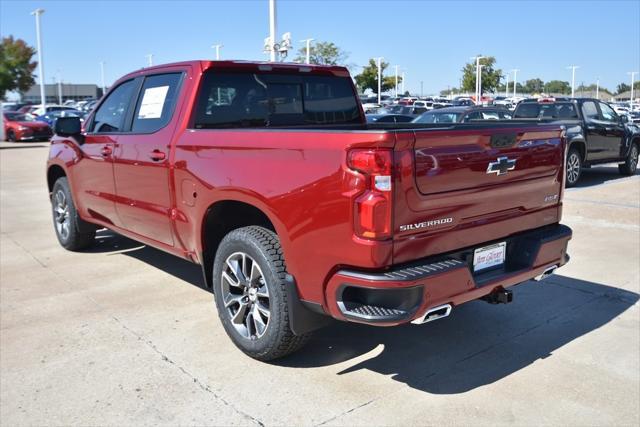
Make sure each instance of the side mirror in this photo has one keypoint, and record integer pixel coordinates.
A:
(624, 119)
(68, 126)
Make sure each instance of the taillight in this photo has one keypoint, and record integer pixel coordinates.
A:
(373, 206)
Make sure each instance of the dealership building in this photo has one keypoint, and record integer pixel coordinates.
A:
(75, 92)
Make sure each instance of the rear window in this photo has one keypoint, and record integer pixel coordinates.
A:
(253, 100)
(558, 110)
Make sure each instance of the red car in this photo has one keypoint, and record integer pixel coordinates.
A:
(268, 176)
(24, 127)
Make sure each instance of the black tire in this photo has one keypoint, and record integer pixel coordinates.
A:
(66, 221)
(573, 168)
(630, 165)
(11, 136)
(235, 300)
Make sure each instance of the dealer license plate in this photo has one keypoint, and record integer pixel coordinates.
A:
(489, 256)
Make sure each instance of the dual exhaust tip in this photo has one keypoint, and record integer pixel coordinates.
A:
(434, 313)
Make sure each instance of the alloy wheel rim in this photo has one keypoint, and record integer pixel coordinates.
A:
(61, 214)
(245, 295)
(634, 158)
(573, 168)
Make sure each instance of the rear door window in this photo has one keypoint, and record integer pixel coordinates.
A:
(156, 102)
(590, 111)
(228, 100)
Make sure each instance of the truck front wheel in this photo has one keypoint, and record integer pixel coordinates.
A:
(250, 292)
(66, 222)
(631, 163)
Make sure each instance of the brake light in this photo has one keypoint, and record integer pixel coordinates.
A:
(373, 206)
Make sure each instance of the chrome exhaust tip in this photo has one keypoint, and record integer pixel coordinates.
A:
(546, 273)
(434, 313)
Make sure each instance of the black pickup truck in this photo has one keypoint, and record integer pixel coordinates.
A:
(596, 134)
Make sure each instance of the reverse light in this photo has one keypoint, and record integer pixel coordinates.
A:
(372, 207)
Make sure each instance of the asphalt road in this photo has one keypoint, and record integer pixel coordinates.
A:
(123, 335)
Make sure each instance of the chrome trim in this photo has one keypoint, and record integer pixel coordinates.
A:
(425, 318)
(546, 273)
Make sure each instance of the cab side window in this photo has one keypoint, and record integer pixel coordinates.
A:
(111, 114)
(156, 102)
(590, 111)
(608, 115)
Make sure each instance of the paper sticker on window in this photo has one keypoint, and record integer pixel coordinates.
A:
(152, 102)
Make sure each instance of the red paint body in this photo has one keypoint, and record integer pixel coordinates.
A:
(26, 130)
(300, 180)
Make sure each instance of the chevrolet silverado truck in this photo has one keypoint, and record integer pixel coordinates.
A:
(596, 134)
(298, 211)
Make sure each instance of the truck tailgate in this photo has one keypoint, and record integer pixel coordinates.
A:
(465, 186)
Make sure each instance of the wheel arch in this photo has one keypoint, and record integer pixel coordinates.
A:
(581, 146)
(54, 172)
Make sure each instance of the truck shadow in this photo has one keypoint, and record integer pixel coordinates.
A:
(478, 344)
(598, 175)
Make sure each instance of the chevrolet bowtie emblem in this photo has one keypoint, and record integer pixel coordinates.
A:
(501, 166)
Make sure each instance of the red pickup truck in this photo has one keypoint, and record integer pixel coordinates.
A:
(268, 176)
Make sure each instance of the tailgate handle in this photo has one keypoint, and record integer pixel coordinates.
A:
(503, 140)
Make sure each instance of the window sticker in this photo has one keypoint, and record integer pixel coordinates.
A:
(152, 102)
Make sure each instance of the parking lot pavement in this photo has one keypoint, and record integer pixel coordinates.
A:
(123, 335)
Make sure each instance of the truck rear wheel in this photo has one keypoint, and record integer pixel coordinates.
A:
(66, 222)
(249, 287)
(573, 167)
(631, 163)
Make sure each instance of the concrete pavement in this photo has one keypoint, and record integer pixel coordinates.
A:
(123, 335)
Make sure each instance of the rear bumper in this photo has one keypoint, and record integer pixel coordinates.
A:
(405, 292)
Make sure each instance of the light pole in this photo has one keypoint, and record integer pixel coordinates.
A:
(379, 59)
(37, 14)
(573, 78)
(396, 81)
(515, 81)
(479, 98)
(308, 42)
(104, 87)
(150, 59)
(633, 74)
(272, 30)
(477, 58)
(402, 83)
(217, 48)
(59, 88)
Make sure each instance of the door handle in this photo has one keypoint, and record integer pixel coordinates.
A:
(157, 155)
(106, 151)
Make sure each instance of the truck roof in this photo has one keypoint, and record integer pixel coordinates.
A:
(205, 64)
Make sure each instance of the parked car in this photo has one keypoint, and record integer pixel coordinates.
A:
(51, 117)
(596, 133)
(297, 209)
(464, 115)
(38, 111)
(389, 118)
(407, 110)
(24, 127)
(424, 104)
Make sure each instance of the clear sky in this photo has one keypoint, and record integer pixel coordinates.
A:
(431, 40)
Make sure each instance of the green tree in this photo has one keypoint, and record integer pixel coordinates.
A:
(16, 68)
(322, 53)
(533, 86)
(368, 78)
(490, 76)
(557, 86)
(623, 87)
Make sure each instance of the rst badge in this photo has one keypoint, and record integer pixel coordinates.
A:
(426, 224)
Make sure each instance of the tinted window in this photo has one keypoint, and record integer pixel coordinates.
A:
(155, 103)
(476, 115)
(490, 115)
(260, 100)
(558, 110)
(607, 113)
(437, 118)
(505, 115)
(590, 111)
(111, 114)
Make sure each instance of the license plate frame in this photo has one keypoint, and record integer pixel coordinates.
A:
(490, 256)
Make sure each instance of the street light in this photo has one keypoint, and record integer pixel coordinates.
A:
(379, 61)
(59, 78)
(104, 87)
(272, 30)
(396, 81)
(633, 74)
(477, 58)
(573, 78)
(506, 86)
(515, 81)
(402, 83)
(308, 42)
(37, 14)
(150, 59)
(479, 97)
(217, 48)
